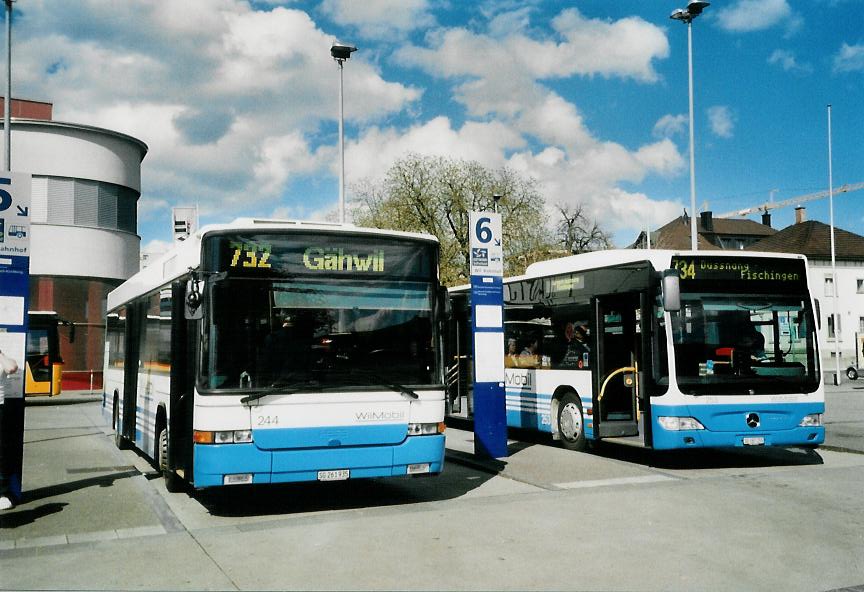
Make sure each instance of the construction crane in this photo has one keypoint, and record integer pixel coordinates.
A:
(793, 201)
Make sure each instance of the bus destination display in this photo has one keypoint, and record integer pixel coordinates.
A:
(760, 274)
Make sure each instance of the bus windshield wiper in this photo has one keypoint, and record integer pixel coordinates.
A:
(287, 387)
(375, 379)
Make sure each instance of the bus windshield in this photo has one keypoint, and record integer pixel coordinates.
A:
(319, 334)
(736, 344)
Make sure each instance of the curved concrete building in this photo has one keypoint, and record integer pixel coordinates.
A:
(83, 239)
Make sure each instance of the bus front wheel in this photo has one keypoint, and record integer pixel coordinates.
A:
(173, 482)
(571, 422)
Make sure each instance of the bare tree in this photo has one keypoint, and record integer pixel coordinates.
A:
(577, 233)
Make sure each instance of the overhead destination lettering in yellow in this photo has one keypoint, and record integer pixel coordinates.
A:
(319, 259)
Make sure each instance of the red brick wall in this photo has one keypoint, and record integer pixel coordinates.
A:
(29, 109)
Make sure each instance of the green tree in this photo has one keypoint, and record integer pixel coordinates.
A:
(435, 195)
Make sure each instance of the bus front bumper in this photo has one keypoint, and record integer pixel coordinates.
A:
(218, 464)
(726, 426)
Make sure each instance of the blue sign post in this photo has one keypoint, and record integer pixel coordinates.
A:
(14, 296)
(487, 314)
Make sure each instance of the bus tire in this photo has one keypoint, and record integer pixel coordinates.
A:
(173, 482)
(119, 441)
(571, 422)
(852, 373)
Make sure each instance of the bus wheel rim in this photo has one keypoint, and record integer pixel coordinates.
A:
(571, 421)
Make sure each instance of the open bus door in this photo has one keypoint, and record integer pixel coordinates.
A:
(616, 372)
(44, 365)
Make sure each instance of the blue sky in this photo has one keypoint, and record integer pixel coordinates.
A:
(237, 100)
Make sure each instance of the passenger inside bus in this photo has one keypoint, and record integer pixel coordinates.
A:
(573, 350)
(529, 357)
(511, 356)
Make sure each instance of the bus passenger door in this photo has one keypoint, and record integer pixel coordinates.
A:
(616, 372)
(134, 326)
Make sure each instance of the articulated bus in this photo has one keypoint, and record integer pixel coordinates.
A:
(267, 351)
(44, 368)
(660, 349)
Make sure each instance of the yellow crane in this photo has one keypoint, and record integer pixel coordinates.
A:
(792, 201)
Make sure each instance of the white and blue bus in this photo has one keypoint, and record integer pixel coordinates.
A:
(280, 351)
(661, 349)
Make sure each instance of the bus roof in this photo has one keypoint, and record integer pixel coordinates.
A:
(179, 259)
(659, 259)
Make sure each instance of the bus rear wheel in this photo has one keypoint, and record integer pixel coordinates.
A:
(119, 441)
(571, 422)
(852, 373)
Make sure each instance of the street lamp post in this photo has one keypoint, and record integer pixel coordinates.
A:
(686, 15)
(833, 259)
(7, 102)
(341, 53)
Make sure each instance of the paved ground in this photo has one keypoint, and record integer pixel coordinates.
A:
(98, 518)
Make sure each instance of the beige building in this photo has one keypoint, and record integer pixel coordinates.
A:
(83, 239)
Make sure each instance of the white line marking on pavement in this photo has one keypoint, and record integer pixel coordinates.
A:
(612, 482)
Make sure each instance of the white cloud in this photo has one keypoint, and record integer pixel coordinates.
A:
(236, 103)
(661, 158)
(377, 149)
(746, 16)
(722, 121)
(380, 19)
(670, 125)
(230, 100)
(625, 48)
(786, 60)
(850, 58)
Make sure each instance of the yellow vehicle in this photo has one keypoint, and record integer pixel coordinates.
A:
(44, 366)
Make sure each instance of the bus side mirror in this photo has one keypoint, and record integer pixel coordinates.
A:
(671, 290)
(193, 310)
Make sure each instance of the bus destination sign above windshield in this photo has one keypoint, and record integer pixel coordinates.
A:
(277, 255)
(758, 273)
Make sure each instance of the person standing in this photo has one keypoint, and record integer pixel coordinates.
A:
(7, 366)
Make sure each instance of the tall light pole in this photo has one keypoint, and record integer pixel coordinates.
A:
(341, 53)
(833, 261)
(7, 102)
(686, 15)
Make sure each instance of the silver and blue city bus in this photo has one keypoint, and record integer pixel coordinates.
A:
(661, 349)
(280, 351)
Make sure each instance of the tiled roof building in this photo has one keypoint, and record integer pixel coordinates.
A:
(813, 239)
(712, 233)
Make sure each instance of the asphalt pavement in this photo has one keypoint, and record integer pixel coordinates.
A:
(83, 499)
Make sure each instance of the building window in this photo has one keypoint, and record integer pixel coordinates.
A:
(829, 285)
(860, 286)
(80, 202)
(832, 334)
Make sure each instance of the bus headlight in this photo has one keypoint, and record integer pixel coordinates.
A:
(814, 420)
(426, 429)
(226, 437)
(677, 424)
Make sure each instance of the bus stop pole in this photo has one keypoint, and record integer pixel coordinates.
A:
(487, 306)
